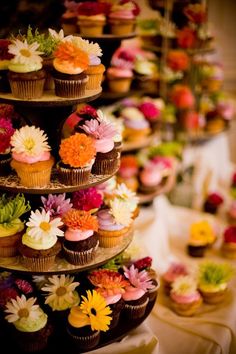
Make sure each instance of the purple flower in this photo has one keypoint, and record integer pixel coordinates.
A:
(57, 205)
(87, 199)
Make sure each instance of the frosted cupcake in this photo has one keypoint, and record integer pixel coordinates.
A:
(69, 17)
(102, 132)
(136, 294)
(28, 324)
(39, 245)
(91, 18)
(11, 226)
(119, 79)
(185, 298)
(81, 241)
(6, 132)
(202, 235)
(212, 203)
(136, 127)
(122, 17)
(84, 326)
(77, 157)
(213, 279)
(26, 74)
(174, 271)
(114, 223)
(128, 172)
(60, 296)
(31, 157)
(228, 247)
(95, 68)
(110, 285)
(69, 64)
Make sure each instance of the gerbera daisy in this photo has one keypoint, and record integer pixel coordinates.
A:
(25, 53)
(21, 307)
(29, 140)
(94, 306)
(121, 212)
(62, 294)
(126, 195)
(40, 225)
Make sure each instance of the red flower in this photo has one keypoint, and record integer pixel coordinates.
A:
(6, 131)
(4, 54)
(87, 199)
(143, 263)
(234, 180)
(196, 13)
(86, 110)
(177, 60)
(182, 97)
(230, 234)
(215, 199)
(186, 38)
(91, 8)
(150, 111)
(6, 295)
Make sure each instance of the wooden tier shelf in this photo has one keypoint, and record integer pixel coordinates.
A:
(11, 183)
(61, 266)
(110, 37)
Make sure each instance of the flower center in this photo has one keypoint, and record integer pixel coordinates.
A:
(45, 226)
(93, 311)
(61, 291)
(23, 313)
(29, 144)
(25, 53)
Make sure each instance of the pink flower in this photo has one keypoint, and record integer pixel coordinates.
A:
(150, 111)
(140, 280)
(87, 199)
(57, 205)
(162, 162)
(24, 286)
(136, 10)
(230, 234)
(6, 131)
(123, 58)
(99, 130)
(182, 97)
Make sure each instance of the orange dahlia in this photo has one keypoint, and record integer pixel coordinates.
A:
(78, 150)
(80, 219)
(68, 52)
(108, 282)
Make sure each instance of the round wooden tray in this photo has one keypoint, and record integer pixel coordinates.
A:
(61, 266)
(49, 99)
(111, 37)
(11, 183)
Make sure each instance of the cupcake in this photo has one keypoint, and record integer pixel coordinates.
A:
(213, 279)
(81, 241)
(212, 203)
(151, 111)
(60, 296)
(56, 205)
(119, 79)
(26, 75)
(150, 177)
(103, 132)
(128, 172)
(114, 223)
(202, 235)
(110, 284)
(29, 325)
(122, 17)
(6, 132)
(107, 189)
(69, 17)
(5, 58)
(136, 127)
(95, 68)
(31, 157)
(91, 18)
(88, 199)
(136, 294)
(184, 296)
(228, 246)
(39, 245)
(174, 271)
(130, 198)
(77, 157)
(69, 64)
(84, 326)
(146, 73)
(11, 226)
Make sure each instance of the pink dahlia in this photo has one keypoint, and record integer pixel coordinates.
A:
(6, 131)
(230, 234)
(87, 199)
(99, 130)
(57, 205)
(138, 279)
(149, 110)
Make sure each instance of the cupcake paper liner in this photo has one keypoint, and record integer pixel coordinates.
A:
(9, 245)
(121, 27)
(70, 88)
(27, 89)
(38, 264)
(109, 239)
(85, 342)
(80, 258)
(186, 309)
(134, 312)
(119, 85)
(214, 297)
(34, 179)
(94, 81)
(106, 166)
(73, 176)
(90, 28)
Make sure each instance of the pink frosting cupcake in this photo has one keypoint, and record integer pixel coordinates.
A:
(119, 79)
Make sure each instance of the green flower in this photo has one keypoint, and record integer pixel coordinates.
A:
(172, 148)
(12, 208)
(214, 274)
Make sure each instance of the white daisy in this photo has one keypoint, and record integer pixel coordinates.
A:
(62, 294)
(59, 35)
(123, 192)
(40, 225)
(29, 140)
(121, 212)
(25, 53)
(88, 47)
(21, 308)
(39, 280)
(184, 285)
